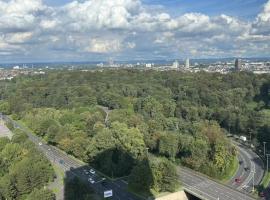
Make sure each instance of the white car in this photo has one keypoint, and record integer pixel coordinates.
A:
(92, 171)
(85, 171)
(91, 180)
(39, 143)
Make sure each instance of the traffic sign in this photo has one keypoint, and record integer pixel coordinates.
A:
(108, 193)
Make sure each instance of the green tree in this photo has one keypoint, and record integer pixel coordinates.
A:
(42, 194)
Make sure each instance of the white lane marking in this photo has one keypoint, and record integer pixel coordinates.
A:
(252, 170)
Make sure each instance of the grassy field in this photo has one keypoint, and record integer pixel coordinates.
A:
(266, 180)
(226, 177)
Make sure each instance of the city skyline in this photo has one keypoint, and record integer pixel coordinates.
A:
(38, 31)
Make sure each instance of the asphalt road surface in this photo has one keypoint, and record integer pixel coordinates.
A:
(77, 168)
(209, 189)
(191, 180)
(249, 164)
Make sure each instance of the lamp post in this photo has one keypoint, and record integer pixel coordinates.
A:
(267, 155)
(253, 174)
(264, 148)
(147, 151)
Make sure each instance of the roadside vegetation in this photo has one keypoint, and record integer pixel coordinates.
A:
(24, 171)
(157, 117)
(266, 180)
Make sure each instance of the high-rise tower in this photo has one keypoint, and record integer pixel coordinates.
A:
(187, 63)
(238, 64)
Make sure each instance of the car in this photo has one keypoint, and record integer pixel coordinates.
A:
(237, 180)
(91, 180)
(61, 162)
(262, 194)
(246, 168)
(105, 183)
(92, 171)
(85, 171)
(39, 143)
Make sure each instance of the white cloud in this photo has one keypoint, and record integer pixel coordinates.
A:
(48, 24)
(18, 15)
(18, 37)
(103, 46)
(125, 26)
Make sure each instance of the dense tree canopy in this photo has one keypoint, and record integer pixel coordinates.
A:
(183, 117)
(23, 170)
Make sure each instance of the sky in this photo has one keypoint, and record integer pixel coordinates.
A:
(97, 30)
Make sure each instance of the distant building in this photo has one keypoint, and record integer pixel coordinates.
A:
(148, 65)
(187, 63)
(175, 65)
(238, 64)
(111, 62)
(100, 65)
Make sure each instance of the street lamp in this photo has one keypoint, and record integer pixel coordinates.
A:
(264, 148)
(253, 174)
(267, 155)
(147, 151)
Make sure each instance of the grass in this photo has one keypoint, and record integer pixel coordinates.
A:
(266, 180)
(232, 171)
(60, 173)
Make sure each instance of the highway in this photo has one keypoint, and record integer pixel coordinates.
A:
(74, 167)
(207, 188)
(249, 164)
(193, 182)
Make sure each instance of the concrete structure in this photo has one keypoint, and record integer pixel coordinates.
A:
(181, 195)
(4, 131)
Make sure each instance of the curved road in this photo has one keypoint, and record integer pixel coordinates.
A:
(250, 165)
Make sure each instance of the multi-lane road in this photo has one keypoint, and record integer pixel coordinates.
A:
(250, 166)
(193, 182)
(74, 167)
(251, 169)
(206, 188)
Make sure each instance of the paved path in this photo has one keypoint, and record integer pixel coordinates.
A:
(57, 185)
(4, 131)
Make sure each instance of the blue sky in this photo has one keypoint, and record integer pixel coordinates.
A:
(239, 8)
(91, 30)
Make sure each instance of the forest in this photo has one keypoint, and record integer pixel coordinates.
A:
(24, 171)
(170, 118)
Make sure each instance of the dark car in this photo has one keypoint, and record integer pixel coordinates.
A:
(237, 180)
(61, 162)
(262, 194)
(105, 183)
